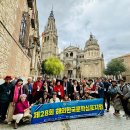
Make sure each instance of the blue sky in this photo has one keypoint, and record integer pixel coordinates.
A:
(108, 20)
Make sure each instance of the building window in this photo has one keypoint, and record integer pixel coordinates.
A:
(71, 54)
(45, 39)
(24, 29)
(48, 38)
(67, 54)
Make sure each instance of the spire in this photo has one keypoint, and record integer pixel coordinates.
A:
(51, 14)
(91, 35)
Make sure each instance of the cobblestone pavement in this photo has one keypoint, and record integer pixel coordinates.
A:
(106, 122)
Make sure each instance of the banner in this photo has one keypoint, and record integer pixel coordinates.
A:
(66, 110)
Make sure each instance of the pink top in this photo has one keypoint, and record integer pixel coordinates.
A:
(20, 107)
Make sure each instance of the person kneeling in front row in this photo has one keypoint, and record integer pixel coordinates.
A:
(21, 110)
(54, 98)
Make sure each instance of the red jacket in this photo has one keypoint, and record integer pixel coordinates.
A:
(59, 88)
(93, 88)
(20, 107)
(35, 87)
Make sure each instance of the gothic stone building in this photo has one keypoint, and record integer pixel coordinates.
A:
(19, 38)
(50, 39)
(78, 63)
(87, 63)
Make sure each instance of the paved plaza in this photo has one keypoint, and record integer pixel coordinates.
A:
(106, 122)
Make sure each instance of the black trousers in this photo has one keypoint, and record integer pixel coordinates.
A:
(3, 110)
(125, 107)
(107, 99)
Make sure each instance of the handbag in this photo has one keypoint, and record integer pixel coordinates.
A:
(27, 113)
(27, 116)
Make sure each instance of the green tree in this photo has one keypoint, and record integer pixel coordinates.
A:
(53, 66)
(115, 67)
(43, 67)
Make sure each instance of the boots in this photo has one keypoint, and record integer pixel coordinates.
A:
(15, 125)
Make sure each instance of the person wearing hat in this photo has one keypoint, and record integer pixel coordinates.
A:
(54, 98)
(113, 91)
(124, 89)
(21, 106)
(6, 93)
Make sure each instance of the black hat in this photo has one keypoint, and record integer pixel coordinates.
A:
(121, 80)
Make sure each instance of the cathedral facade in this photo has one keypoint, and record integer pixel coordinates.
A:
(78, 63)
(86, 63)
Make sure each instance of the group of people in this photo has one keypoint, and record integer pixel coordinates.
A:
(16, 98)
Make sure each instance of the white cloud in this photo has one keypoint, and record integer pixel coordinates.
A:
(108, 20)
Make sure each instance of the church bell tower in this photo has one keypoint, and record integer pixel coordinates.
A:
(50, 39)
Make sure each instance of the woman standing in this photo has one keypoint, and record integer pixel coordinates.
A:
(18, 90)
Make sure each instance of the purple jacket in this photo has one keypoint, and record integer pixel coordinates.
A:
(20, 107)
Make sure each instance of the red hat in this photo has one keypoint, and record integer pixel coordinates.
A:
(8, 77)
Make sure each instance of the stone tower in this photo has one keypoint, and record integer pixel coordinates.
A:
(50, 42)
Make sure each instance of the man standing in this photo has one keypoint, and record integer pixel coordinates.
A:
(6, 95)
(66, 86)
(27, 89)
(125, 90)
(106, 95)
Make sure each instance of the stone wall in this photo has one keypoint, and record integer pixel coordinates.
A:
(92, 68)
(13, 58)
(126, 61)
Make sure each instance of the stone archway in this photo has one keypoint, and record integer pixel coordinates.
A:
(69, 70)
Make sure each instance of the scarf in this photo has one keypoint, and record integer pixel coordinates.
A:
(16, 92)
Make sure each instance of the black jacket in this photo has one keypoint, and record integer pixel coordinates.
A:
(68, 89)
(6, 92)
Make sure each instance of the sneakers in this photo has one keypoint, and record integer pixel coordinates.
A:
(9, 123)
(116, 114)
